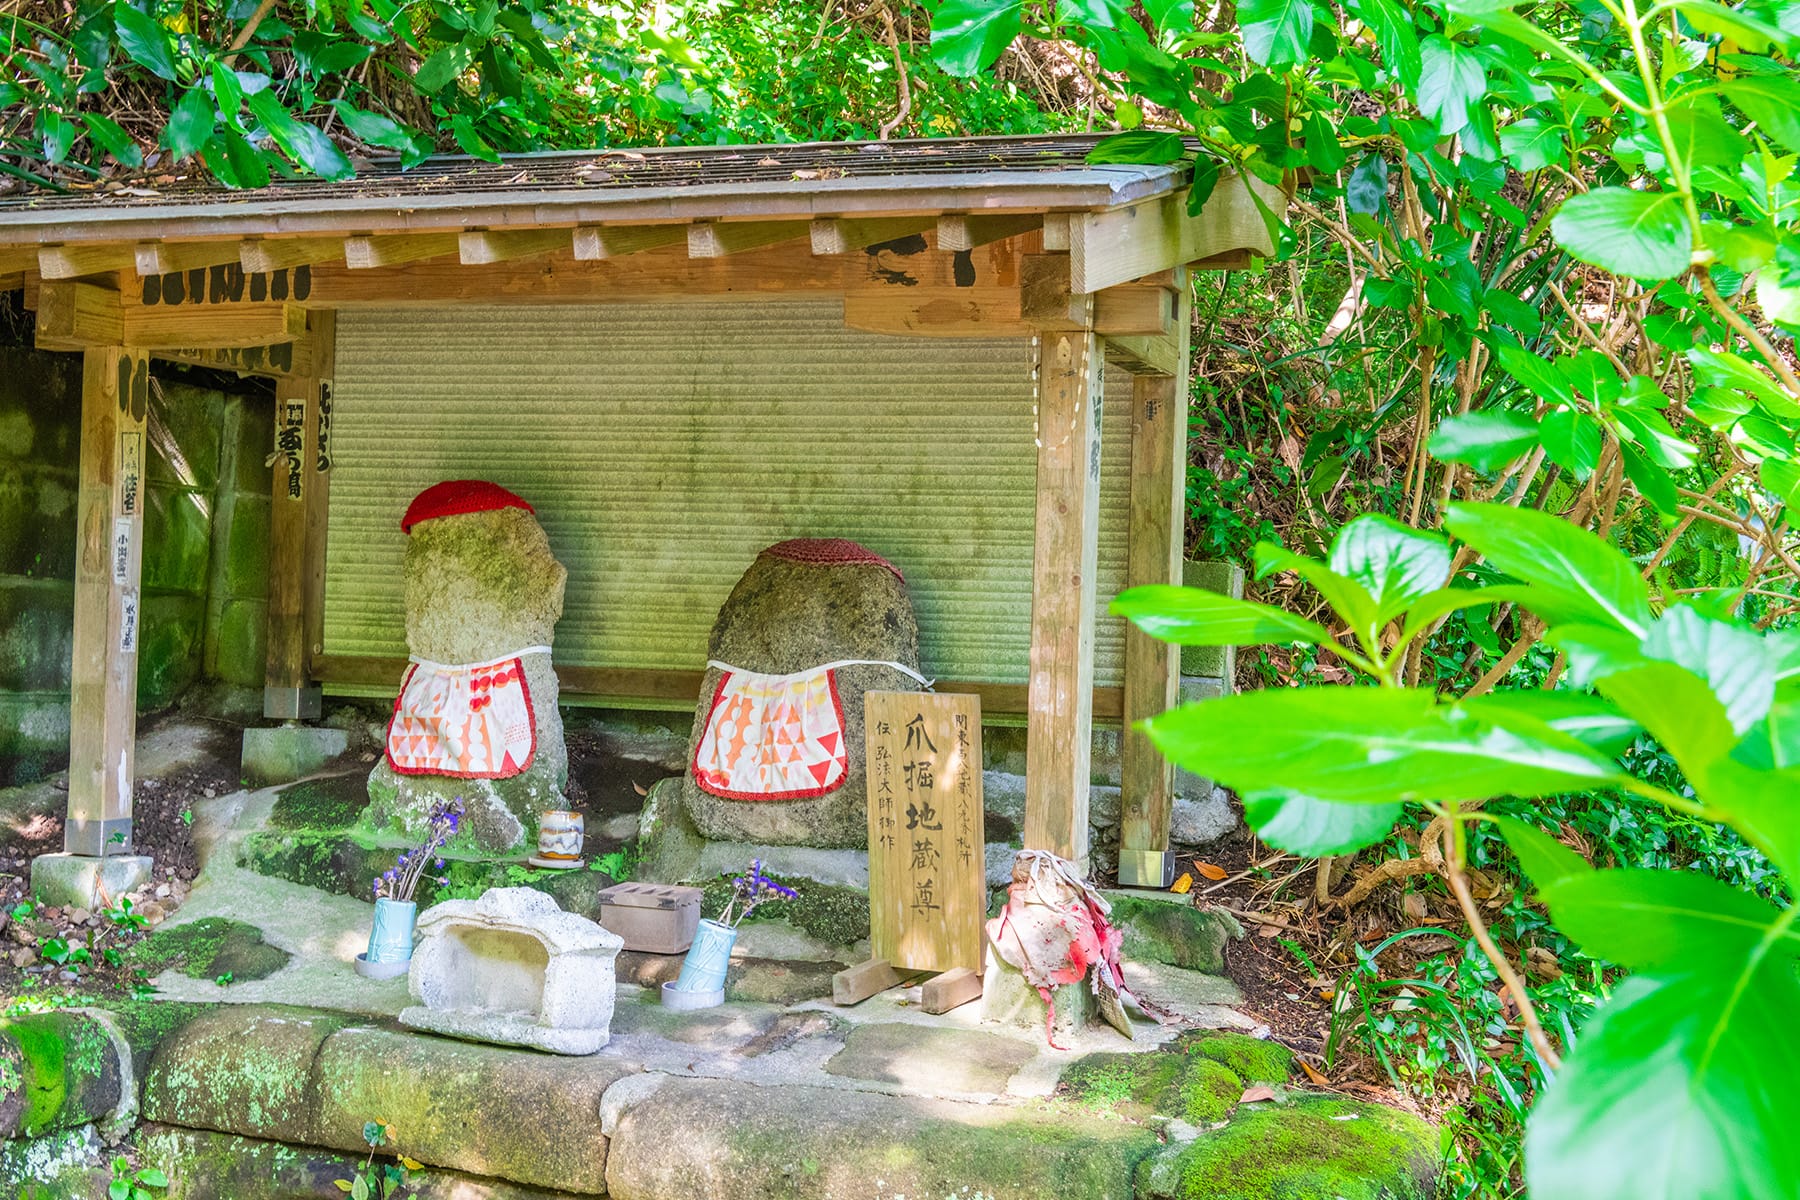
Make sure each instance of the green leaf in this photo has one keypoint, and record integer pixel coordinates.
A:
(1276, 33)
(1574, 576)
(1773, 102)
(111, 137)
(1779, 300)
(1350, 600)
(1680, 1088)
(1734, 661)
(1368, 745)
(1590, 719)
(968, 35)
(1702, 137)
(1649, 920)
(1726, 370)
(1546, 861)
(1782, 478)
(437, 72)
(1532, 143)
(374, 128)
(360, 1189)
(1139, 146)
(1193, 617)
(118, 1189)
(1485, 440)
(1734, 24)
(153, 1178)
(1394, 33)
(1305, 826)
(1643, 235)
(190, 123)
(1451, 81)
(1366, 189)
(1533, 372)
(1651, 431)
(1394, 564)
(144, 40)
(1571, 441)
(305, 144)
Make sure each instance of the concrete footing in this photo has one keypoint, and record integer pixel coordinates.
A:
(289, 752)
(84, 882)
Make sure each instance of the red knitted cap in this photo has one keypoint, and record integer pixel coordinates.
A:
(454, 497)
(830, 552)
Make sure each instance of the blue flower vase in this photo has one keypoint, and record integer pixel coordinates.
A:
(703, 970)
(391, 937)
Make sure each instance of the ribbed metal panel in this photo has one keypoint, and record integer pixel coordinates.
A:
(664, 445)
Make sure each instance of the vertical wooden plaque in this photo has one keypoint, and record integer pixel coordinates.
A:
(927, 885)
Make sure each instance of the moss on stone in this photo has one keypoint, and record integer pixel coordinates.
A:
(210, 948)
(44, 1049)
(67, 1072)
(1170, 1082)
(329, 804)
(1256, 1060)
(1318, 1148)
(837, 916)
(1177, 934)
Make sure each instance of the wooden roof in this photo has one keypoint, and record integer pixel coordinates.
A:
(986, 175)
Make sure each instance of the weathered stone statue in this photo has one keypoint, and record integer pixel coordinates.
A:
(477, 715)
(776, 755)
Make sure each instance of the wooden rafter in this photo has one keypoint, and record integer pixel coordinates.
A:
(596, 242)
(364, 253)
(277, 254)
(716, 239)
(966, 231)
(164, 258)
(839, 235)
(502, 245)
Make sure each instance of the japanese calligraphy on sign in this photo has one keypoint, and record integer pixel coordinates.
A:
(290, 444)
(131, 470)
(322, 460)
(927, 888)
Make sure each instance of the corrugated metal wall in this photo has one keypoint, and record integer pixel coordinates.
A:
(663, 445)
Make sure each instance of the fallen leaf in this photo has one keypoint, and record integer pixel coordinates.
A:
(1212, 871)
(639, 788)
(1413, 904)
(1255, 1092)
(768, 162)
(1312, 1072)
(1183, 884)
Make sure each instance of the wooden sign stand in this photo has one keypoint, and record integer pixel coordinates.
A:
(927, 872)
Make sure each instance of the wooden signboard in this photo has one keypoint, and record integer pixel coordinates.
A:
(927, 885)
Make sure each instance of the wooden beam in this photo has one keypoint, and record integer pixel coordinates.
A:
(212, 328)
(949, 990)
(12, 282)
(75, 260)
(1060, 733)
(163, 258)
(1126, 243)
(283, 358)
(966, 231)
(669, 685)
(115, 401)
(937, 312)
(596, 242)
(1044, 296)
(296, 441)
(840, 235)
(365, 253)
(1165, 354)
(1134, 310)
(72, 315)
(1156, 526)
(716, 239)
(1056, 232)
(502, 245)
(268, 255)
(322, 338)
(855, 984)
(16, 260)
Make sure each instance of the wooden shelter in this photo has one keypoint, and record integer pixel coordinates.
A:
(906, 274)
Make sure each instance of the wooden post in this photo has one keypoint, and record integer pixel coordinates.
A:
(285, 691)
(1061, 693)
(318, 492)
(1159, 429)
(115, 399)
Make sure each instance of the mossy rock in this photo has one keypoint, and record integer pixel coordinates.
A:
(1255, 1060)
(146, 1024)
(1177, 934)
(211, 948)
(58, 1070)
(1315, 1148)
(1167, 1082)
(837, 916)
(335, 802)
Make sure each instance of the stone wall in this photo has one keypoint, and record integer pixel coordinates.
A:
(205, 547)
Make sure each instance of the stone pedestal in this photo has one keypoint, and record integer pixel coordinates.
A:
(513, 968)
(288, 752)
(85, 882)
(1006, 999)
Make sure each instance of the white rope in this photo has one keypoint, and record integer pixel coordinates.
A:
(830, 666)
(480, 666)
